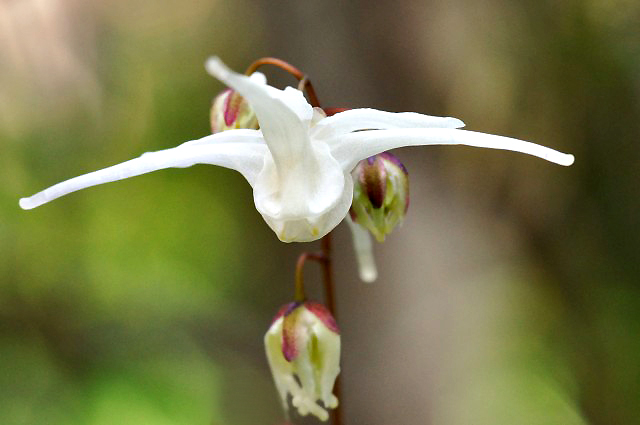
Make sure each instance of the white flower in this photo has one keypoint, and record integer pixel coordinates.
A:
(299, 163)
(304, 342)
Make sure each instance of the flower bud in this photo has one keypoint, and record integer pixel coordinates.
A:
(380, 194)
(304, 342)
(231, 111)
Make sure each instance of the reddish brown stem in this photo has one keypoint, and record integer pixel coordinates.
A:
(333, 111)
(299, 279)
(311, 93)
(327, 278)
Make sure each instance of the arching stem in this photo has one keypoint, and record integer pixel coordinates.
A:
(299, 279)
(311, 93)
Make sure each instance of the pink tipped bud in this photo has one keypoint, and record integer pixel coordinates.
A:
(231, 111)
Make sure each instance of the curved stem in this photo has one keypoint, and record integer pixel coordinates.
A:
(333, 111)
(313, 98)
(299, 279)
(327, 274)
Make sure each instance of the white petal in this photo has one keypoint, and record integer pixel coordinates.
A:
(328, 349)
(284, 115)
(363, 247)
(372, 119)
(281, 369)
(309, 228)
(354, 147)
(240, 135)
(247, 158)
(306, 200)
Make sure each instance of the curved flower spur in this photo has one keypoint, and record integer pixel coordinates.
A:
(299, 162)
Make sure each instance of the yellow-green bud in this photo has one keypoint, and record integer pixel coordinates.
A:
(303, 350)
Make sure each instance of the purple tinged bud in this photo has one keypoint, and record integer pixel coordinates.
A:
(323, 314)
(373, 178)
(230, 110)
(381, 194)
(303, 350)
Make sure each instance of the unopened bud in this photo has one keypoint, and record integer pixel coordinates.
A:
(231, 111)
(303, 350)
(381, 194)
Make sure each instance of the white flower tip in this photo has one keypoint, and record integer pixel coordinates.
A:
(323, 416)
(259, 77)
(217, 68)
(559, 158)
(27, 204)
(455, 123)
(368, 274)
(566, 160)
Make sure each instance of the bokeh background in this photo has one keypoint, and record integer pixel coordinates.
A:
(511, 295)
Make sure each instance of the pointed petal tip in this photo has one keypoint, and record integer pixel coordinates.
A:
(568, 160)
(26, 204)
(560, 158)
(368, 275)
(456, 123)
(216, 67)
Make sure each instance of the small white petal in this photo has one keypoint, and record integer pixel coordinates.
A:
(281, 369)
(259, 77)
(247, 158)
(328, 349)
(373, 119)
(363, 247)
(354, 147)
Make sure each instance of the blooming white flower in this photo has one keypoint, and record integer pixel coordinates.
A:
(299, 163)
(304, 342)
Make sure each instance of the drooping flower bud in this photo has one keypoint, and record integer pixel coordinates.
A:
(380, 194)
(304, 342)
(231, 111)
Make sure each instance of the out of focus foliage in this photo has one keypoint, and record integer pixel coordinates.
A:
(145, 301)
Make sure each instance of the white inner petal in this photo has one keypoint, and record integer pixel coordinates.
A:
(370, 119)
(299, 200)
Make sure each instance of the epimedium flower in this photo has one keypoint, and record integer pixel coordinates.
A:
(299, 163)
(303, 351)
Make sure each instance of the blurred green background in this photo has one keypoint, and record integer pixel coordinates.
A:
(510, 295)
